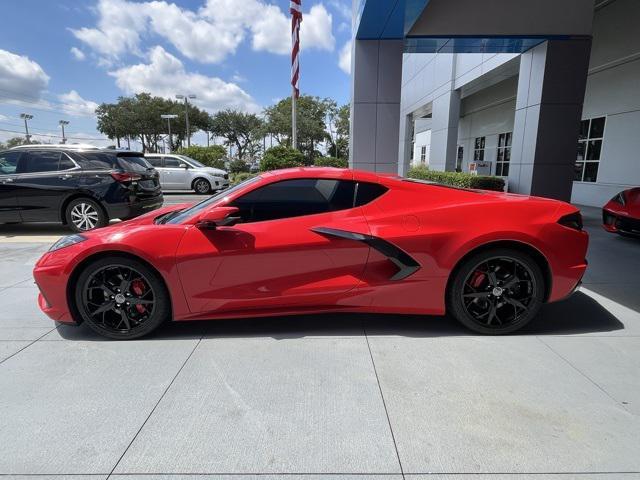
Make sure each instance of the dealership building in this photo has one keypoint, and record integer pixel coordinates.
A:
(545, 93)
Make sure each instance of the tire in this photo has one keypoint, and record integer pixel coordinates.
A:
(202, 186)
(121, 298)
(496, 291)
(83, 214)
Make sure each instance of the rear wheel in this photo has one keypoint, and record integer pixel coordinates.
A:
(121, 298)
(202, 186)
(84, 214)
(497, 291)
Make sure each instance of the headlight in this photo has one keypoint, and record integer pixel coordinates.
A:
(67, 242)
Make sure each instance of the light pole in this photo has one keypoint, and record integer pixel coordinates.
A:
(62, 123)
(186, 108)
(169, 117)
(26, 117)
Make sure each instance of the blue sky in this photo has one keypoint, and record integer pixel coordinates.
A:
(58, 59)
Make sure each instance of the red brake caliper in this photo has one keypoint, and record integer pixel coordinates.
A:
(137, 286)
(477, 279)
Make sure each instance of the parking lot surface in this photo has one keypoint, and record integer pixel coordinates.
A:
(325, 396)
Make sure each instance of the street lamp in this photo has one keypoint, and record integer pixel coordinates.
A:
(26, 117)
(169, 117)
(186, 107)
(62, 123)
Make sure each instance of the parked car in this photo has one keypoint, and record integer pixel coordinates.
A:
(81, 186)
(179, 172)
(621, 214)
(321, 240)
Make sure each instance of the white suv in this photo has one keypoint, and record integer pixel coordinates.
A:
(179, 172)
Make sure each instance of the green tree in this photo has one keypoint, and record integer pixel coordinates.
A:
(13, 142)
(140, 117)
(281, 157)
(312, 114)
(239, 129)
(212, 156)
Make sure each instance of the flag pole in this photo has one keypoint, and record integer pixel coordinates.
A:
(294, 120)
(295, 8)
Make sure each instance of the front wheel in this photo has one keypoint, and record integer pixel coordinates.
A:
(121, 298)
(497, 291)
(202, 186)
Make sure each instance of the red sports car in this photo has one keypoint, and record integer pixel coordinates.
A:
(622, 213)
(320, 240)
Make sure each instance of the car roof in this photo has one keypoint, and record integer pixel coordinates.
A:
(323, 172)
(74, 148)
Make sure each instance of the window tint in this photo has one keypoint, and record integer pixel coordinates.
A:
(38, 162)
(155, 161)
(368, 192)
(65, 163)
(171, 162)
(294, 198)
(133, 163)
(96, 161)
(8, 162)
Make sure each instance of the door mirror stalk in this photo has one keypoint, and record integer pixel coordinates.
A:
(218, 217)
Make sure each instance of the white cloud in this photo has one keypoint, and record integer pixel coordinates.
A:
(21, 78)
(3, 117)
(342, 7)
(77, 54)
(118, 31)
(73, 104)
(207, 35)
(165, 76)
(344, 59)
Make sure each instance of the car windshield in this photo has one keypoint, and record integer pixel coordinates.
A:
(187, 213)
(190, 160)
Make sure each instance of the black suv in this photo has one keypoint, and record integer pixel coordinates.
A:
(83, 187)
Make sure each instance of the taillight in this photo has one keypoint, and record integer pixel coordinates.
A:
(125, 177)
(619, 198)
(573, 220)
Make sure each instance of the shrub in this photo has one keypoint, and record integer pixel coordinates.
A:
(241, 177)
(281, 157)
(331, 162)
(211, 156)
(456, 179)
(238, 166)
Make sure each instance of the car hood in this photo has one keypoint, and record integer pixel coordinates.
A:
(213, 171)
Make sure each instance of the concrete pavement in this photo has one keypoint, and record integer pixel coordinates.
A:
(327, 396)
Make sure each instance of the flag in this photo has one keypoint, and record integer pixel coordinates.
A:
(295, 7)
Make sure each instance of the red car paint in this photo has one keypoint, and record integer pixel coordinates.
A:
(621, 214)
(285, 267)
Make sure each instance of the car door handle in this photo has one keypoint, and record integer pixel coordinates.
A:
(65, 176)
(7, 180)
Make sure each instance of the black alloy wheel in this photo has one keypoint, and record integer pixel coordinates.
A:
(497, 291)
(121, 298)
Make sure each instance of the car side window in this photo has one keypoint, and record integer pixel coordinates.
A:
(65, 163)
(171, 162)
(39, 162)
(295, 198)
(368, 192)
(155, 161)
(8, 162)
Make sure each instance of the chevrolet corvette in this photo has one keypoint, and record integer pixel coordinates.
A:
(317, 240)
(621, 214)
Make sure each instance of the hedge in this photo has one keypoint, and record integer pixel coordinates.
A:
(211, 156)
(236, 178)
(281, 157)
(331, 162)
(456, 179)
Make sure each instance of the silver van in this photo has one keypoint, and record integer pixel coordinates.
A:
(179, 172)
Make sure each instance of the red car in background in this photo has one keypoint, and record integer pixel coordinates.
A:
(311, 240)
(621, 214)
